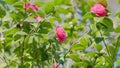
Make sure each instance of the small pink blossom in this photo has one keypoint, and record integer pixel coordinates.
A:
(38, 19)
(56, 65)
(34, 7)
(99, 10)
(27, 6)
(60, 33)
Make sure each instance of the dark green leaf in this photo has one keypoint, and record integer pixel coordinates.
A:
(108, 23)
(2, 12)
(98, 39)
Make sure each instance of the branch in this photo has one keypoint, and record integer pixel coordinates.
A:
(104, 43)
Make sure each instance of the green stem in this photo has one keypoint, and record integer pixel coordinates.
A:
(116, 46)
(22, 53)
(104, 43)
(4, 57)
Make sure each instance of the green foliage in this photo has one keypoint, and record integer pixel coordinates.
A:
(11, 2)
(91, 42)
(49, 7)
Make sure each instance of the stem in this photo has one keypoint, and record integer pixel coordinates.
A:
(22, 46)
(104, 43)
(116, 46)
(22, 53)
(67, 53)
(4, 57)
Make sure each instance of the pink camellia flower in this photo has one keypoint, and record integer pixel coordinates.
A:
(56, 65)
(60, 33)
(38, 19)
(27, 6)
(34, 7)
(99, 10)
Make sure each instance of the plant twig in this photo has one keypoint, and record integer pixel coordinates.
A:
(116, 46)
(104, 42)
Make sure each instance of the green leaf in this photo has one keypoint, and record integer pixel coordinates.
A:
(118, 62)
(98, 39)
(10, 32)
(74, 57)
(108, 23)
(49, 7)
(98, 47)
(109, 60)
(2, 12)
(119, 1)
(61, 2)
(77, 46)
(84, 41)
(45, 25)
(11, 1)
(18, 5)
(91, 54)
(20, 33)
(104, 2)
(58, 2)
(88, 15)
(117, 30)
(30, 41)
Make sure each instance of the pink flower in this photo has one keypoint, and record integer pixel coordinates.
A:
(34, 7)
(27, 6)
(60, 33)
(99, 10)
(56, 65)
(38, 19)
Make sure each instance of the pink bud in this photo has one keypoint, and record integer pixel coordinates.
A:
(27, 6)
(99, 10)
(34, 7)
(60, 33)
(38, 19)
(56, 65)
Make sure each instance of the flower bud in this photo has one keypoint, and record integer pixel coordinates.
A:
(60, 33)
(99, 10)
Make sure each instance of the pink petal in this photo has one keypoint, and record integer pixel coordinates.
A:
(56, 65)
(27, 6)
(38, 19)
(34, 7)
(99, 10)
(61, 34)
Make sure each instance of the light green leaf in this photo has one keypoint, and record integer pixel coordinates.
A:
(88, 15)
(11, 1)
(74, 57)
(49, 7)
(20, 33)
